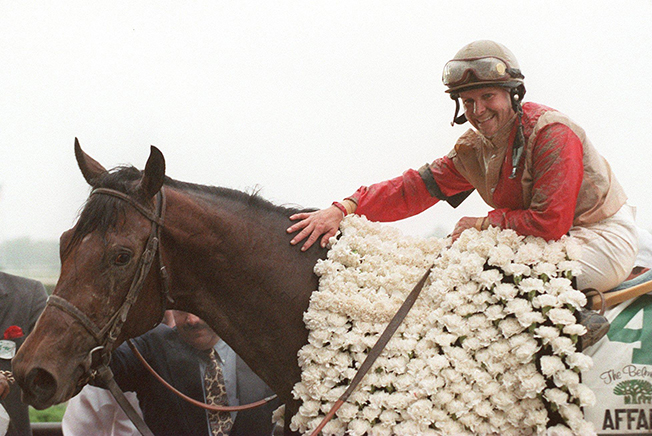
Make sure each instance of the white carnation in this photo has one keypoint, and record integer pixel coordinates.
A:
(510, 327)
(559, 430)
(495, 312)
(567, 378)
(530, 252)
(420, 411)
(546, 333)
(547, 269)
(527, 319)
(556, 396)
(532, 384)
(584, 394)
(545, 300)
(359, 427)
(573, 297)
(389, 417)
(310, 408)
(570, 266)
(574, 330)
(558, 286)
(560, 316)
(370, 413)
(555, 252)
(531, 284)
(518, 306)
(579, 361)
(489, 278)
(562, 345)
(551, 365)
(517, 270)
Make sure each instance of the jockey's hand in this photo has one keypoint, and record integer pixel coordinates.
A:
(467, 222)
(324, 222)
(4, 387)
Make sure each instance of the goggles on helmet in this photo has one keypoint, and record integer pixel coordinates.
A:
(477, 71)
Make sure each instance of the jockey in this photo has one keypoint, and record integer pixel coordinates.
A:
(532, 164)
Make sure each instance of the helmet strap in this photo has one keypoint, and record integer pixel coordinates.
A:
(462, 118)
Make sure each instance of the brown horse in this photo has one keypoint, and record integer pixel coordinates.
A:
(228, 258)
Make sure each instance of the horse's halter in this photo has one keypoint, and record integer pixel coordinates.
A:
(106, 336)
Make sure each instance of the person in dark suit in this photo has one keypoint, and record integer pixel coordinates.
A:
(180, 356)
(21, 302)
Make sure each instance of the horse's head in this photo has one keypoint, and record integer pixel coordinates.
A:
(105, 260)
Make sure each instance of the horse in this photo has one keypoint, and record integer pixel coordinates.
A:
(222, 254)
(226, 256)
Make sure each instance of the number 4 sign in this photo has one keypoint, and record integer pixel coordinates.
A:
(622, 374)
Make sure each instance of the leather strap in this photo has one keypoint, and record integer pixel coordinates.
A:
(214, 408)
(377, 349)
(139, 207)
(105, 374)
(78, 315)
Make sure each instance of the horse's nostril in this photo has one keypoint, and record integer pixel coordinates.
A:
(41, 385)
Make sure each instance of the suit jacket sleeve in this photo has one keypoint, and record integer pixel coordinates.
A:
(128, 371)
(257, 421)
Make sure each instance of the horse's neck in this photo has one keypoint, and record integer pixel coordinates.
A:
(235, 268)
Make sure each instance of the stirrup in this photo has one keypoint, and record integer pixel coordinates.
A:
(603, 301)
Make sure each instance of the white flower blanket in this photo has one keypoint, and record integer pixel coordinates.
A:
(489, 347)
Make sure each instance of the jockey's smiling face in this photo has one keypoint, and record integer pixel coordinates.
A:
(487, 109)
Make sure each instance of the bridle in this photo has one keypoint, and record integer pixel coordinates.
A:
(96, 364)
(106, 336)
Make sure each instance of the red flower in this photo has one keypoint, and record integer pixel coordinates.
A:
(13, 332)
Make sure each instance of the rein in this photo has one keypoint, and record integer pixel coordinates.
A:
(212, 408)
(376, 349)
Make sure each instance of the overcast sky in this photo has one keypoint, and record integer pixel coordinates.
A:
(307, 100)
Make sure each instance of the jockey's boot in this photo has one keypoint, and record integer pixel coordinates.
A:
(596, 327)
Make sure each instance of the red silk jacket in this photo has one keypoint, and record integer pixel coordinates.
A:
(561, 179)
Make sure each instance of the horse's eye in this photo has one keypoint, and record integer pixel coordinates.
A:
(122, 259)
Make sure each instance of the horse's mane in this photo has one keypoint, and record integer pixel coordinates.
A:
(252, 199)
(101, 212)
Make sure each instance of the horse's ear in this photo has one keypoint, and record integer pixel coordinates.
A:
(90, 168)
(154, 175)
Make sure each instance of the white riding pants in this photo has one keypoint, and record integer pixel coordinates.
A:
(609, 250)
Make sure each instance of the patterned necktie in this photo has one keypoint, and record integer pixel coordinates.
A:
(220, 422)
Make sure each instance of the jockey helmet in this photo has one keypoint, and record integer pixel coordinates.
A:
(482, 63)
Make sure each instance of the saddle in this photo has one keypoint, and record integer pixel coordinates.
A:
(638, 283)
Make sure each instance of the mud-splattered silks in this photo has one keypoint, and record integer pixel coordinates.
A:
(220, 422)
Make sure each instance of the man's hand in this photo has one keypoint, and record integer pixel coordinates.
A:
(324, 222)
(467, 222)
(4, 386)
